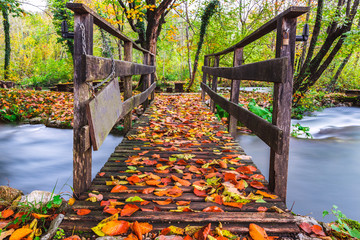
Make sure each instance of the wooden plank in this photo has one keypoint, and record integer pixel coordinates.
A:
(273, 70)
(128, 85)
(291, 12)
(285, 47)
(80, 8)
(136, 100)
(235, 89)
(103, 111)
(81, 153)
(99, 68)
(270, 134)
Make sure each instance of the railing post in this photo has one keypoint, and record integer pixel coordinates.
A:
(146, 78)
(206, 63)
(128, 47)
(285, 47)
(152, 63)
(81, 148)
(214, 84)
(235, 88)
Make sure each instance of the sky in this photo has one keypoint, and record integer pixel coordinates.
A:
(33, 5)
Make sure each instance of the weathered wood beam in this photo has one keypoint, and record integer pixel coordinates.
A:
(206, 63)
(136, 100)
(81, 8)
(99, 68)
(273, 70)
(267, 132)
(214, 83)
(292, 12)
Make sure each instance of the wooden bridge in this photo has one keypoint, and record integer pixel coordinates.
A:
(178, 165)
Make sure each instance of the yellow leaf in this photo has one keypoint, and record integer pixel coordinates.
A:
(71, 201)
(20, 233)
(265, 194)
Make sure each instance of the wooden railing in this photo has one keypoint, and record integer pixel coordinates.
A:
(280, 72)
(95, 116)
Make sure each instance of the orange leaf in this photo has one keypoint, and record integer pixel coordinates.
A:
(317, 229)
(20, 233)
(212, 209)
(230, 177)
(174, 192)
(203, 233)
(115, 227)
(166, 202)
(222, 238)
(265, 194)
(210, 175)
(129, 209)
(257, 185)
(218, 199)
(181, 181)
(257, 177)
(101, 174)
(183, 203)
(74, 237)
(137, 230)
(133, 179)
(131, 236)
(147, 190)
(233, 204)
(222, 164)
(6, 213)
(153, 182)
(240, 185)
(188, 238)
(111, 210)
(262, 209)
(118, 188)
(257, 232)
(137, 149)
(143, 203)
(83, 211)
(200, 193)
(144, 227)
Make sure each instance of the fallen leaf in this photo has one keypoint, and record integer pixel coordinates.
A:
(166, 202)
(143, 203)
(203, 232)
(181, 181)
(131, 236)
(38, 216)
(262, 209)
(74, 237)
(212, 209)
(101, 174)
(134, 199)
(129, 209)
(265, 194)
(147, 190)
(200, 193)
(306, 227)
(257, 233)
(71, 201)
(118, 189)
(20, 233)
(111, 210)
(6, 213)
(133, 179)
(83, 211)
(233, 204)
(183, 203)
(257, 185)
(115, 227)
(317, 229)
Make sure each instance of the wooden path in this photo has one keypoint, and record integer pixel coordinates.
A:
(176, 149)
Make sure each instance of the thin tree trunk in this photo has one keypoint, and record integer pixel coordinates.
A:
(6, 24)
(333, 81)
(188, 49)
(304, 47)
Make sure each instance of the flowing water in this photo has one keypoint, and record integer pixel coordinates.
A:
(34, 157)
(323, 171)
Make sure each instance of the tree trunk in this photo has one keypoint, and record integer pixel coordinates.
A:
(304, 47)
(6, 24)
(333, 81)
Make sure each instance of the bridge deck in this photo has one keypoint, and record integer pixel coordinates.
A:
(176, 144)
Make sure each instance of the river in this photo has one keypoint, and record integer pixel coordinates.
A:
(323, 171)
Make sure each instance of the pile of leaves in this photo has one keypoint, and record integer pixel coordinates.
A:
(26, 220)
(19, 105)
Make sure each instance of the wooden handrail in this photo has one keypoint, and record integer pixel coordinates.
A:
(272, 70)
(291, 12)
(267, 132)
(98, 68)
(81, 8)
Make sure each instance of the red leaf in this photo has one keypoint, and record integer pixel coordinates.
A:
(203, 233)
(306, 227)
(318, 230)
(212, 209)
(262, 209)
(118, 189)
(257, 185)
(111, 210)
(129, 209)
(101, 174)
(133, 179)
(83, 211)
(200, 193)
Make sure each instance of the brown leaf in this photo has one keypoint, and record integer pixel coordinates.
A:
(306, 227)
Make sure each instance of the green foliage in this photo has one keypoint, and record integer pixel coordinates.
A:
(261, 112)
(310, 102)
(299, 130)
(221, 113)
(60, 234)
(343, 224)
